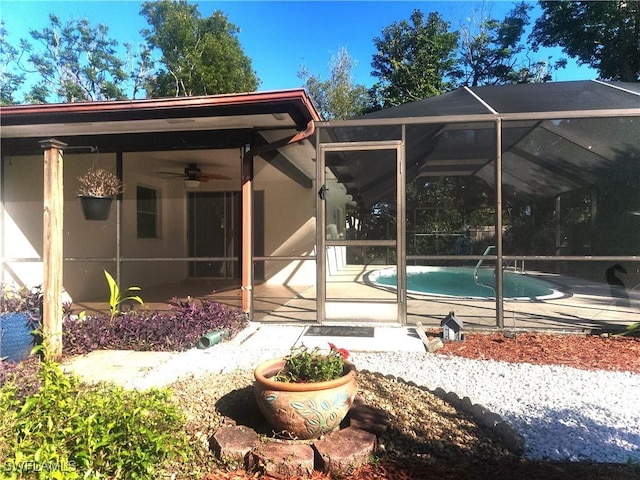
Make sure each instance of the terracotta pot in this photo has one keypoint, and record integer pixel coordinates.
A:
(304, 410)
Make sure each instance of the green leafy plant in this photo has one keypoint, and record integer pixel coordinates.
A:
(69, 430)
(632, 330)
(117, 297)
(304, 365)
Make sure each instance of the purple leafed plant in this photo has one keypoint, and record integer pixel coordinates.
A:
(177, 329)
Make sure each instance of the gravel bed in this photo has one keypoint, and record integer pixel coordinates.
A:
(562, 413)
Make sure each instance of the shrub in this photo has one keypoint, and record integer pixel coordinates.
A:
(305, 366)
(73, 430)
(177, 329)
(23, 375)
(14, 299)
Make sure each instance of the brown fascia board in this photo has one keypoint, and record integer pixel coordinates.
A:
(294, 102)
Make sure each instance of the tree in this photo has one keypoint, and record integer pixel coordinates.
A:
(76, 62)
(337, 97)
(199, 56)
(491, 51)
(603, 35)
(10, 80)
(414, 60)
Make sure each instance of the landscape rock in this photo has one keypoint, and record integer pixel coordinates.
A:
(368, 418)
(282, 460)
(345, 449)
(232, 444)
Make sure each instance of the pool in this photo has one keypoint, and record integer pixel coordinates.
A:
(459, 282)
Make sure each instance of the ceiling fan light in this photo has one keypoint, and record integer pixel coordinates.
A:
(191, 183)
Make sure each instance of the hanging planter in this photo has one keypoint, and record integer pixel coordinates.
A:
(97, 190)
(96, 208)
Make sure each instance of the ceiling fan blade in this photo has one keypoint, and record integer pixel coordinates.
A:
(212, 176)
(174, 174)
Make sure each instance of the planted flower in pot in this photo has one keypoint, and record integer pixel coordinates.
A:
(20, 315)
(96, 192)
(307, 393)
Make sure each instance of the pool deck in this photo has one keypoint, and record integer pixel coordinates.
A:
(590, 306)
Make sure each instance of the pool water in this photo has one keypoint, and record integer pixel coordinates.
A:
(459, 282)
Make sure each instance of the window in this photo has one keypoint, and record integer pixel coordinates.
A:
(147, 212)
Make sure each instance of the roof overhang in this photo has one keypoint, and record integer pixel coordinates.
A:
(218, 121)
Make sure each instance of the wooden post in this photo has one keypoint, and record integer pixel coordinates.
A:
(52, 254)
(247, 232)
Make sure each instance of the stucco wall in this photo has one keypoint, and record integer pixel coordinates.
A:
(289, 225)
(172, 240)
(22, 232)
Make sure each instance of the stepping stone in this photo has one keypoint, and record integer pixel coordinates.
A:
(345, 449)
(282, 460)
(232, 444)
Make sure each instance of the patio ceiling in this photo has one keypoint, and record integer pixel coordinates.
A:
(169, 125)
(556, 137)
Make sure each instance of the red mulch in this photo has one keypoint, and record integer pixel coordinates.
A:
(591, 352)
(614, 353)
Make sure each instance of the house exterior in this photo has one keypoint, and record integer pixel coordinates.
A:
(254, 191)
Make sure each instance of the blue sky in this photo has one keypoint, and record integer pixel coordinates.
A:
(279, 36)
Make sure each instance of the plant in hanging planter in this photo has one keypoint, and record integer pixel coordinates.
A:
(20, 316)
(96, 191)
(307, 393)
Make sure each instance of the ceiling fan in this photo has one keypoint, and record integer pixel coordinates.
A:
(193, 174)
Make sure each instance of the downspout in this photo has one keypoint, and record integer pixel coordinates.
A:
(247, 209)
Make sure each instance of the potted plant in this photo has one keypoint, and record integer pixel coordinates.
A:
(96, 192)
(307, 393)
(20, 315)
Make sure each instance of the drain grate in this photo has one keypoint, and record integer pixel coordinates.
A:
(339, 331)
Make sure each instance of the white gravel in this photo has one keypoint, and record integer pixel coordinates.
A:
(562, 413)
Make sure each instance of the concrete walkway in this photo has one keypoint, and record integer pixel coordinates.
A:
(149, 369)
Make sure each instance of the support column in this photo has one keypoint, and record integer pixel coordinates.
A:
(498, 270)
(247, 232)
(52, 247)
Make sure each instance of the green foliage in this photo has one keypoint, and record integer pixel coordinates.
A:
(117, 297)
(199, 56)
(414, 60)
(490, 51)
(71, 430)
(603, 35)
(306, 366)
(75, 61)
(632, 330)
(10, 80)
(337, 98)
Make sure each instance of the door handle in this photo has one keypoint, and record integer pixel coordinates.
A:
(322, 193)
